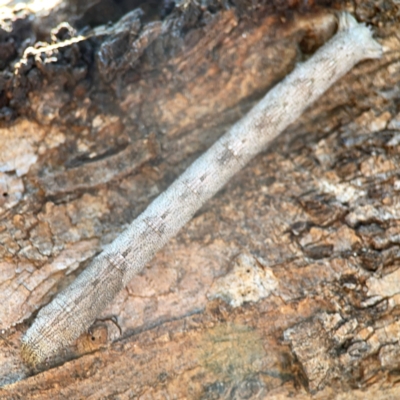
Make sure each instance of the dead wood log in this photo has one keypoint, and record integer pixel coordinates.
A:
(286, 283)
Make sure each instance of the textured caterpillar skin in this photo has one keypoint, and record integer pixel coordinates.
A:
(73, 310)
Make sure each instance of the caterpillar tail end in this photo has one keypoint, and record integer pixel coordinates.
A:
(30, 353)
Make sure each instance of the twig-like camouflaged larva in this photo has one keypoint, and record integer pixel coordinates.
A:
(73, 310)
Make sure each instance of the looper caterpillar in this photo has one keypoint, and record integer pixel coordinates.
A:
(73, 310)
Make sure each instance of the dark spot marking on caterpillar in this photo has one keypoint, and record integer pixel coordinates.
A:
(225, 157)
(96, 282)
(203, 177)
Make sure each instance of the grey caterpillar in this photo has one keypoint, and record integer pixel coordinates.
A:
(74, 309)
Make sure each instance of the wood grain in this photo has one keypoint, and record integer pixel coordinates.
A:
(324, 221)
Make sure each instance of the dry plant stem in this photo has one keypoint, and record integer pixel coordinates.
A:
(73, 310)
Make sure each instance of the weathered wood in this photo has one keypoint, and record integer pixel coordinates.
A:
(309, 232)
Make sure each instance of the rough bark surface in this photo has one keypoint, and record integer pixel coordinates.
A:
(286, 284)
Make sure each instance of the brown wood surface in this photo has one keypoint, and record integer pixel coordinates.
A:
(285, 285)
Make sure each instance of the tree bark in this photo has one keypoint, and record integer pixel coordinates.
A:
(284, 284)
